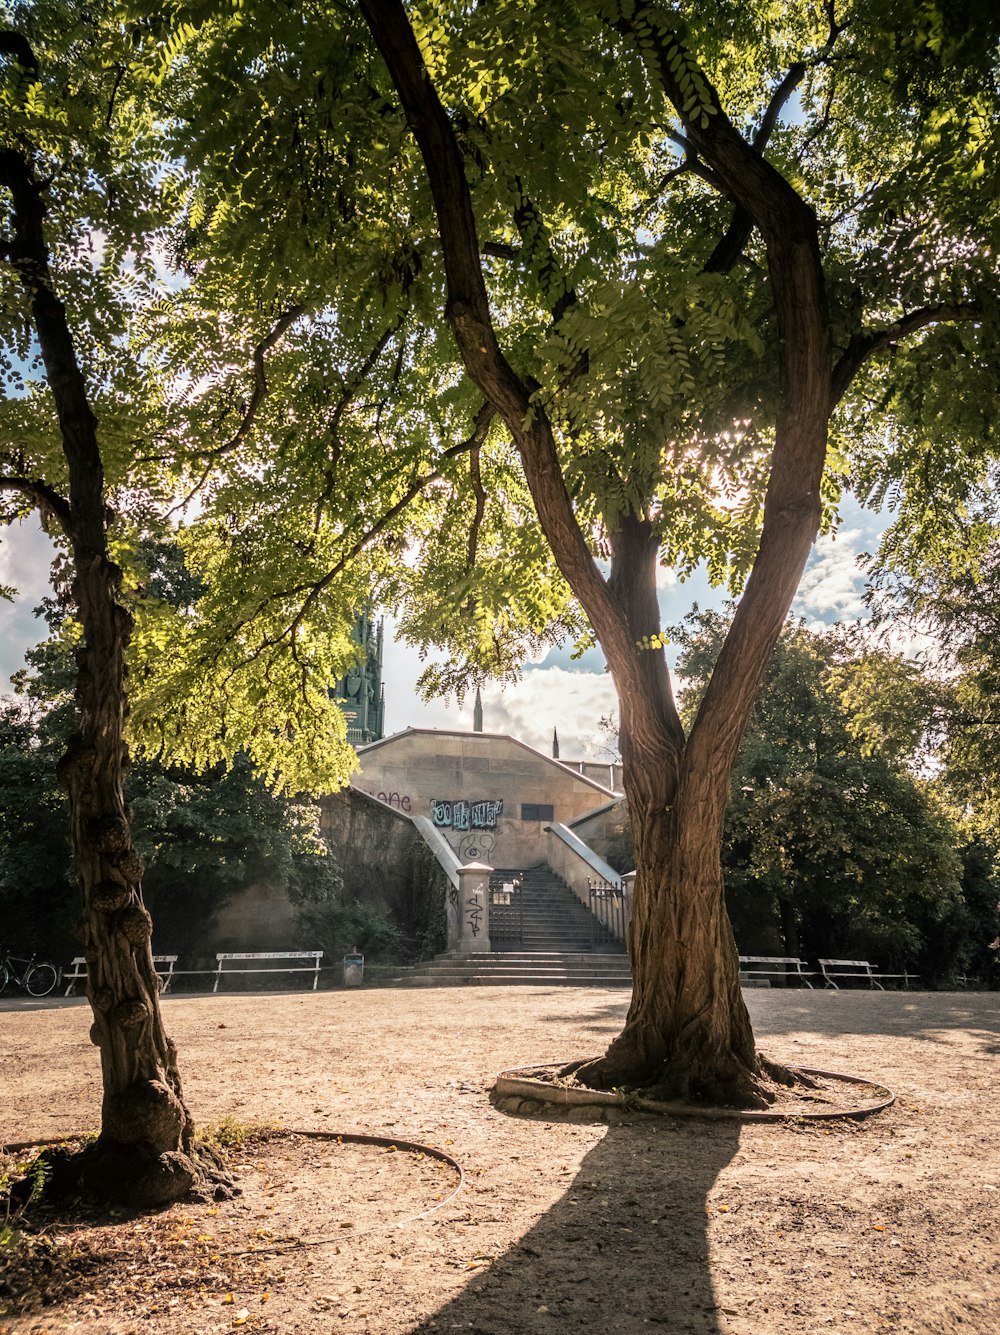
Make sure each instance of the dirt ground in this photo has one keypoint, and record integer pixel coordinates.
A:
(572, 1224)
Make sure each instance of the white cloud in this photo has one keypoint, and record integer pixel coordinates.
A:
(903, 639)
(546, 698)
(833, 586)
(25, 554)
(571, 702)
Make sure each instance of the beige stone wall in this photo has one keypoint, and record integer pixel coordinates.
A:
(423, 772)
(374, 848)
(606, 831)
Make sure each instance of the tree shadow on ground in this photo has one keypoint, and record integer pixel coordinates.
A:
(625, 1249)
(606, 1019)
(924, 1015)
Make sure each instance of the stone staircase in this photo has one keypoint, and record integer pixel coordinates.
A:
(549, 918)
(546, 941)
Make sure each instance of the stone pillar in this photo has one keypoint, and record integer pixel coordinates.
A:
(469, 910)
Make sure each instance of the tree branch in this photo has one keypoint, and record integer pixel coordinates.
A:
(312, 589)
(45, 498)
(354, 382)
(29, 256)
(730, 247)
(284, 321)
(477, 486)
(779, 98)
(732, 244)
(500, 250)
(866, 343)
(792, 505)
(468, 312)
(17, 45)
(480, 429)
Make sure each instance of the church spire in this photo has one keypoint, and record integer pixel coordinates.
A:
(555, 745)
(477, 713)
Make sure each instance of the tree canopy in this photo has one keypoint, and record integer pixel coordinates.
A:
(675, 273)
(487, 312)
(630, 294)
(84, 152)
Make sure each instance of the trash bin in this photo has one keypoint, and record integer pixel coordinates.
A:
(354, 970)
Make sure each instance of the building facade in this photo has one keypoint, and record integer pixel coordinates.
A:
(489, 795)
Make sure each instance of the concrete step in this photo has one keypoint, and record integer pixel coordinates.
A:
(514, 980)
(548, 916)
(542, 968)
(529, 957)
(498, 971)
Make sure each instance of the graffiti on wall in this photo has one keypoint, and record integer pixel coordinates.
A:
(476, 846)
(462, 815)
(401, 801)
(474, 913)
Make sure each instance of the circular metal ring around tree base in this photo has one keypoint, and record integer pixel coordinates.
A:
(520, 1083)
(341, 1137)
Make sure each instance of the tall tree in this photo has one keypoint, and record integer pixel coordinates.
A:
(954, 604)
(147, 1132)
(84, 198)
(692, 259)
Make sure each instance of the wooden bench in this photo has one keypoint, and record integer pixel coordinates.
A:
(261, 955)
(857, 969)
(774, 966)
(79, 968)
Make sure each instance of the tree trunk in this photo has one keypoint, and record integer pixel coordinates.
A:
(687, 1033)
(145, 1150)
(789, 926)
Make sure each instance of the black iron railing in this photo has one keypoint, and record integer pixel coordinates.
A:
(506, 912)
(610, 910)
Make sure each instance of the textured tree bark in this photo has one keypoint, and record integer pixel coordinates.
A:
(687, 1033)
(145, 1152)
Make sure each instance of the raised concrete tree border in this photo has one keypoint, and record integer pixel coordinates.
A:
(519, 1082)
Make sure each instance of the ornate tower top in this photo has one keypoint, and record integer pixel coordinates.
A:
(360, 693)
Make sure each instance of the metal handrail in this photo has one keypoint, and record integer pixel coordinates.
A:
(506, 912)
(610, 910)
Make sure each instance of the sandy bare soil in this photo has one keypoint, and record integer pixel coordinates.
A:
(683, 1226)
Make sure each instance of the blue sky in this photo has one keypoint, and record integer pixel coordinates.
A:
(557, 692)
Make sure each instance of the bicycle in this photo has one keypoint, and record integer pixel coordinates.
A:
(37, 977)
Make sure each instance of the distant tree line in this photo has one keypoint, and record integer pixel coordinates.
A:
(862, 818)
(863, 813)
(203, 834)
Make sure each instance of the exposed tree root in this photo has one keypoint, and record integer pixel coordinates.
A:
(790, 1076)
(725, 1084)
(126, 1174)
